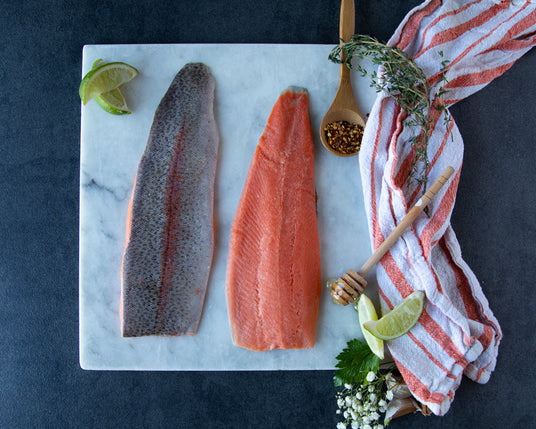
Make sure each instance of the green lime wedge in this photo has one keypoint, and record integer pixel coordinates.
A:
(113, 102)
(104, 78)
(367, 312)
(399, 320)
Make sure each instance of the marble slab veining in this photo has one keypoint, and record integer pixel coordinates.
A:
(249, 79)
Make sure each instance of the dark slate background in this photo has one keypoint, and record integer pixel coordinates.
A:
(41, 383)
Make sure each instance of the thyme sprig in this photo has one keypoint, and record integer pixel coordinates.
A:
(406, 82)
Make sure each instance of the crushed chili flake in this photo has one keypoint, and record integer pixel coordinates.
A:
(344, 136)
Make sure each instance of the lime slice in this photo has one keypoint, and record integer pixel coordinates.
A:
(104, 78)
(367, 312)
(113, 102)
(398, 321)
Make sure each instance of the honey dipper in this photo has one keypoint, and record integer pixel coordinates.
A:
(348, 287)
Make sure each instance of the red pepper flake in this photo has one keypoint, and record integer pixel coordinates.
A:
(344, 136)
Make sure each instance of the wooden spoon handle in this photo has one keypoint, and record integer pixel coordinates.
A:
(406, 222)
(347, 20)
(346, 31)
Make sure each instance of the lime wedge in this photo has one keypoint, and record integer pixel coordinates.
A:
(104, 78)
(113, 102)
(367, 312)
(398, 321)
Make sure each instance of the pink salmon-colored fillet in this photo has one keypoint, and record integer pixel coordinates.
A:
(273, 274)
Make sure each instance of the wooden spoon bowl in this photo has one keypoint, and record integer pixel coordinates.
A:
(338, 113)
(344, 106)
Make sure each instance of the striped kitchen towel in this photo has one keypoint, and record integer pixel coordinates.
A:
(457, 333)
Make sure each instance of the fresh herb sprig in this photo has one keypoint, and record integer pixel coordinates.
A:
(406, 82)
(354, 363)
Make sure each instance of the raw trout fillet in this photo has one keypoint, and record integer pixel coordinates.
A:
(170, 225)
(273, 274)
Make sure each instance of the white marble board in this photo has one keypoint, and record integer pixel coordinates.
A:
(249, 79)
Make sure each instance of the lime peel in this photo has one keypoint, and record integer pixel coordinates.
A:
(97, 62)
(399, 320)
(366, 313)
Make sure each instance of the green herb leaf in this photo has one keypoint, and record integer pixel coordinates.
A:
(354, 363)
(407, 83)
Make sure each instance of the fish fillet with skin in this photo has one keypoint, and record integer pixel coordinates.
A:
(170, 225)
(273, 274)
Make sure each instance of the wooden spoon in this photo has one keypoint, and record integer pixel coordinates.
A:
(344, 106)
(348, 287)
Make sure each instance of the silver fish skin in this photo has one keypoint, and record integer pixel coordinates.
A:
(171, 226)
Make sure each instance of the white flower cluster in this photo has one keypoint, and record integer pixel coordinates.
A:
(361, 406)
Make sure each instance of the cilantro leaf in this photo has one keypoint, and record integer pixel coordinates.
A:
(354, 363)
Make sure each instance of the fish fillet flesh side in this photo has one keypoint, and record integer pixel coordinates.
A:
(273, 279)
(170, 222)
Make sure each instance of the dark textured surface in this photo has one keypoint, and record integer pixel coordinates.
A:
(41, 383)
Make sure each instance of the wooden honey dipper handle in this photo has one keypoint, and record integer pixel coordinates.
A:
(406, 222)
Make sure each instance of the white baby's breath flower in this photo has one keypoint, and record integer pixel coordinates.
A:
(362, 405)
(374, 415)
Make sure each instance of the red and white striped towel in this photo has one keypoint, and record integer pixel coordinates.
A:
(457, 333)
